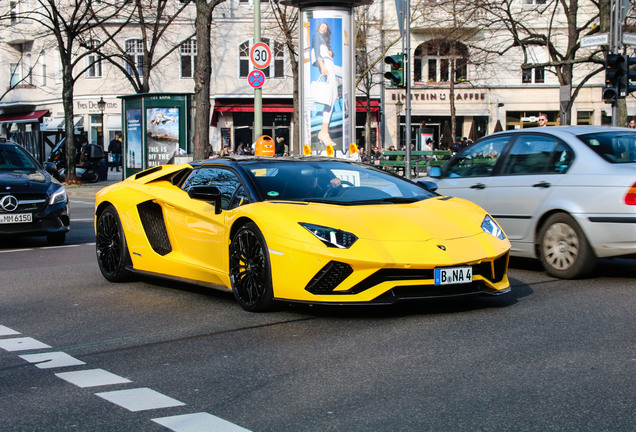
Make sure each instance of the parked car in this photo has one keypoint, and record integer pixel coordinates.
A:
(306, 229)
(565, 195)
(32, 202)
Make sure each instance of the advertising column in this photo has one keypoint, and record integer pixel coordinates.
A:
(327, 101)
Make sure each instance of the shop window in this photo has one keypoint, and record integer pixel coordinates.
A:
(584, 117)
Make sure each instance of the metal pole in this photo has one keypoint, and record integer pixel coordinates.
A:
(407, 78)
(615, 48)
(258, 92)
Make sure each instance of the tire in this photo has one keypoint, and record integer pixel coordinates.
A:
(110, 246)
(250, 271)
(90, 176)
(57, 238)
(563, 248)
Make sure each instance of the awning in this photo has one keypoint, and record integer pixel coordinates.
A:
(361, 105)
(31, 117)
(248, 106)
(58, 123)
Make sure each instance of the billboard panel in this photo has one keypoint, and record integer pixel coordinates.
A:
(326, 79)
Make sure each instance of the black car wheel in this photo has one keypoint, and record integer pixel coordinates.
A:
(112, 252)
(250, 271)
(563, 249)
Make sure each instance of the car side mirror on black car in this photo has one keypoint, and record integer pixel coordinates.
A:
(207, 193)
(50, 168)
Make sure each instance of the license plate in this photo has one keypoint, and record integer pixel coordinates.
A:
(453, 275)
(16, 218)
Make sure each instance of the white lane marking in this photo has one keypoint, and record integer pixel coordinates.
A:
(92, 378)
(139, 399)
(198, 422)
(6, 331)
(47, 247)
(21, 344)
(52, 360)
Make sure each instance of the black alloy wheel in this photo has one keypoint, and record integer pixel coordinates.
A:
(112, 252)
(250, 271)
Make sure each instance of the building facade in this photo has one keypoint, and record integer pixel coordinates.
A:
(485, 89)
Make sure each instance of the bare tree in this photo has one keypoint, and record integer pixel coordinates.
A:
(155, 21)
(202, 79)
(69, 23)
(555, 26)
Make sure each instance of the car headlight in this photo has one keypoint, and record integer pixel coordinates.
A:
(59, 196)
(330, 236)
(490, 226)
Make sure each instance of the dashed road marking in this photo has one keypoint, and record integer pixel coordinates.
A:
(198, 422)
(92, 378)
(52, 360)
(139, 399)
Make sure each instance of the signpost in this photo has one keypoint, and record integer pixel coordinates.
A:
(595, 40)
(256, 78)
(260, 55)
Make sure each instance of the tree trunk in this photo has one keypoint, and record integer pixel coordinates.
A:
(203, 25)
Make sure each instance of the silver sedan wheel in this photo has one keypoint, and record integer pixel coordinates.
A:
(560, 246)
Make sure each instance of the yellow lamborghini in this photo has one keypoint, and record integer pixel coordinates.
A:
(305, 229)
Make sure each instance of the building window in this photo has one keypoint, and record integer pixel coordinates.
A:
(135, 57)
(14, 11)
(534, 2)
(93, 60)
(276, 68)
(434, 61)
(536, 74)
(14, 74)
(188, 53)
(42, 68)
(533, 75)
(584, 117)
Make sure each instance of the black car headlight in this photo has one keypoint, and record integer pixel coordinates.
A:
(331, 237)
(57, 197)
(490, 226)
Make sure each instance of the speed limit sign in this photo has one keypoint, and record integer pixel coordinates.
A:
(260, 55)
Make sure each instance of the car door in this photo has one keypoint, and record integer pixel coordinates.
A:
(199, 232)
(468, 175)
(526, 177)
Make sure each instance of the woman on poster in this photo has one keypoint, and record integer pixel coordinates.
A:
(323, 59)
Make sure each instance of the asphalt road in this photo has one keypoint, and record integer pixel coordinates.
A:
(551, 356)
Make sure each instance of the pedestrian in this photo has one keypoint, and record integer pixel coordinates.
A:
(543, 120)
(114, 148)
(280, 146)
(632, 124)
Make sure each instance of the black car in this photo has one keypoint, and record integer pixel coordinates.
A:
(32, 202)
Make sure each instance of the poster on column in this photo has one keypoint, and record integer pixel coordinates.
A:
(327, 78)
(162, 135)
(133, 133)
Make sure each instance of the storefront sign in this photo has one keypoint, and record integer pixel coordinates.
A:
(443, 96)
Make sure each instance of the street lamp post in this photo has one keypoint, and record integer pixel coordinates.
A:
(101, 104)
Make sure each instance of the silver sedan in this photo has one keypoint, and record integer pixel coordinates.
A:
(564, 195)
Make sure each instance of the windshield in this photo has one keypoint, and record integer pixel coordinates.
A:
(14, 158)
(331, 181)
(614, 147)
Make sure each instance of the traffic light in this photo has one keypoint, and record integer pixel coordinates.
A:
(618, 77)
(396, 75)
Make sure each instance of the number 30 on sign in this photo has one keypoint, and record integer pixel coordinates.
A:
(260, 55)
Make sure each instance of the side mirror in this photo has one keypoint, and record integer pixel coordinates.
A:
(427, 185)
(50, 168)
(435, 172)
(207, 193)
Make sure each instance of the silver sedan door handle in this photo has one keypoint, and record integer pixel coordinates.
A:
(542, 184)
(478, 186)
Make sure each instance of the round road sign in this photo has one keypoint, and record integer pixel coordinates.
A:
(256, 78)
(260, 55)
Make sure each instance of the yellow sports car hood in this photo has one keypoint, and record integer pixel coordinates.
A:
(440, 218)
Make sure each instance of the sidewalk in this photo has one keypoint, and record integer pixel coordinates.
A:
(88, 190)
